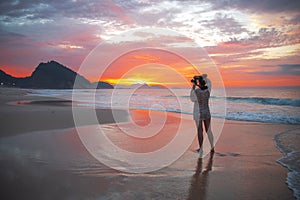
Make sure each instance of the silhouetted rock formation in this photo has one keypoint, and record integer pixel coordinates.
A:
(50, 75)
(7, 80)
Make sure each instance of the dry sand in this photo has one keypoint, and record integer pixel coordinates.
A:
(43, 158)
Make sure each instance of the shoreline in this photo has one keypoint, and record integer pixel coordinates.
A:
(235, 154)
(57, 101)
(34, 113)
(288, 144)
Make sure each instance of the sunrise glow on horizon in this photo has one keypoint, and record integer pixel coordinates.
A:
(252, 44)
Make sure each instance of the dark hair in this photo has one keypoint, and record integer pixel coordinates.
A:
(202, 84)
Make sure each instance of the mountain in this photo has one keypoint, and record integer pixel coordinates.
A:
(102, 85)
(53, 75)
(146, 86)
(50, 75)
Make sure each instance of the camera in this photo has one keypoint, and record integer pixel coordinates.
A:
(194, 80)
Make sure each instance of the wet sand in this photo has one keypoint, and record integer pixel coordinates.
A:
(21, 113)
(42, 157)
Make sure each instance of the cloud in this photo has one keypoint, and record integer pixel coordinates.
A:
(254, 5)
(259, 5)
(295, 20)
(254, 45)
(35, 9)
(230, 30)
(283, 69)
(227, 25)
(149, 13)
(10, 37)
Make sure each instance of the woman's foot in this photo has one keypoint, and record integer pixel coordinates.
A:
(212, 150)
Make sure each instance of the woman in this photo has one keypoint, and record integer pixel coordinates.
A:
(200, 94)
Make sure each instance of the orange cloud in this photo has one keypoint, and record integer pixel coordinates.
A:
(146, 58)
(237, 77)
(153, 67)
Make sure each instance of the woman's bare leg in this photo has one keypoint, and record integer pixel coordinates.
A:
(200, 134)
(209, 133)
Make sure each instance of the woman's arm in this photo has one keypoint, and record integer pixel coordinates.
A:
(193, 96)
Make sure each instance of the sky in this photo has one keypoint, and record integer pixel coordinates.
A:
(251, 43)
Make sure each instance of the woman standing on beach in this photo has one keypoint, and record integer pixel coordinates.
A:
(200, 95)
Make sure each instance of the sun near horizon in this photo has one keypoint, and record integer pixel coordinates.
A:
(252, 44)
(160, 77)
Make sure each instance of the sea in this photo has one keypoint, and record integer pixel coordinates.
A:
(280, 105)
(270, 105)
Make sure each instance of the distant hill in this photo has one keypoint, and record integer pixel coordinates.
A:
(102, 85)
(50, 75)
(140, 86)
(6, 79)
(53, 75)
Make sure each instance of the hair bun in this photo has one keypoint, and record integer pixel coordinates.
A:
(203, 85)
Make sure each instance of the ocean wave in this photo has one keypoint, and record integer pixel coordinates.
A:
(266, 101)
(239, 116)
(278, 110)
(288, 144)
(260, 117)
(258, 100)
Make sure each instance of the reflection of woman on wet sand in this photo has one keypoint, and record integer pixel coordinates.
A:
(200, 95)
(199, 182)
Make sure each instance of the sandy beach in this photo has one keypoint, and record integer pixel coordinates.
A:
(42, 157)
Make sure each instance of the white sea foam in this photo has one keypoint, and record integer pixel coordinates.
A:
(289, 145)
(263, 105)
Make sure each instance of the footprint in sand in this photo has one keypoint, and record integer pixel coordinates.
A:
(228, 154)
(221, 154)
(234, 154)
